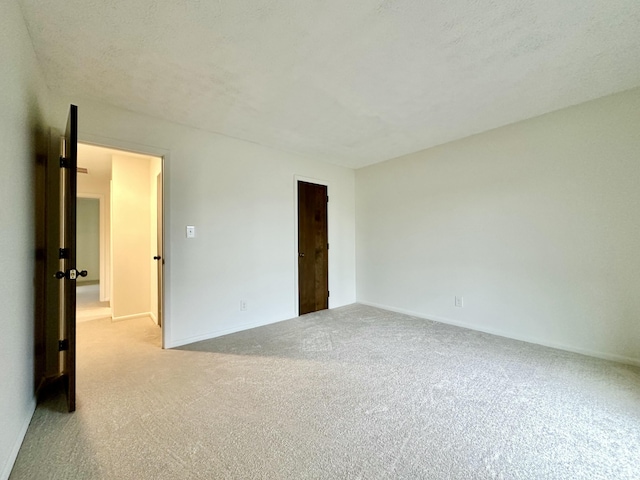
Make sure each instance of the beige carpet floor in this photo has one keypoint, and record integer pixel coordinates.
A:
(88, 304)
(351, 393)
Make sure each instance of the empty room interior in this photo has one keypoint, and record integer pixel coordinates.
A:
(372, 239)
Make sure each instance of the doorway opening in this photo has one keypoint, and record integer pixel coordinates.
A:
(119, 235)
(91, 300)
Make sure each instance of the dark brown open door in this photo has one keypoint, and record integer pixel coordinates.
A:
(69, 164)
(67, 272)
(313, 246)
(56, 326)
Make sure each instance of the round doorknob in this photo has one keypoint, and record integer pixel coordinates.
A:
(301, 254)
(157, 257)
(83, 273)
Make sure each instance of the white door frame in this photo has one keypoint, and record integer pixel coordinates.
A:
(316, 181)
(163, 154)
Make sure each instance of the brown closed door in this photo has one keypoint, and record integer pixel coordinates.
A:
(313, 255)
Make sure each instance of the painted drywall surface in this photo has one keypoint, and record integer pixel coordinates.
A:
(23, 117)
(130, 236)
(240, 198)
(536, 225)
(97, 184)
(154, 170)
(88, 238)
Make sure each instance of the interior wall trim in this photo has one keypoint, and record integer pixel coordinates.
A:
(523, 338)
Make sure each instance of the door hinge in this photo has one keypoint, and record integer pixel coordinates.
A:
(63, 253)
(64, 162)
(327, 198)
(327, 246)
(63, 345)
(328, 293)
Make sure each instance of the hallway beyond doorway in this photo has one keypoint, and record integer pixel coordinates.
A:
(88, 304)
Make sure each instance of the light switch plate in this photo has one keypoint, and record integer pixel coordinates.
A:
(191, 231)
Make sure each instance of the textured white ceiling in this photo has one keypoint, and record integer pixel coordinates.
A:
(355, 82)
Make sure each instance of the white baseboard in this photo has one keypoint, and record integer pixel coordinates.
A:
(89, 318)
(220, 333)
(8, 466)
(131, 317)
(500, 333)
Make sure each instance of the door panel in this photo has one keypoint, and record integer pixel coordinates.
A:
(69, 176)
(160, 255)
(313, 258)
(49, 367)
(55, 334)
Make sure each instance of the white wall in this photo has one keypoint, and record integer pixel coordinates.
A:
(23, 111)
(130, 236)
(98, 185)
(536, 225)
(240, 197)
